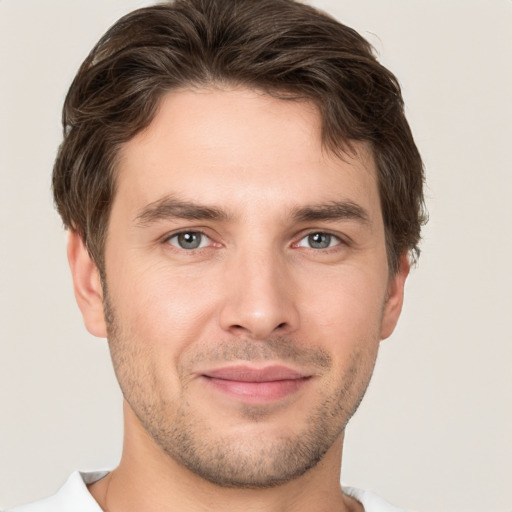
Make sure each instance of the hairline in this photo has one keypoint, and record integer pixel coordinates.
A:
(352, 148)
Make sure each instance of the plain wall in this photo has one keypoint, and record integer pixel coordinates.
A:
(435, 430)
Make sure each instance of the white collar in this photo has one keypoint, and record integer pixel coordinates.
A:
(74, 495)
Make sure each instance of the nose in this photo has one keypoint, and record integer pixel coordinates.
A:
(260, 298)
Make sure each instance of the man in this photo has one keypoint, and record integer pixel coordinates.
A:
(243, 197)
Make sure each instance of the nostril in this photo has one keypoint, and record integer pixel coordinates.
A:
(257, 331)
(239, 328)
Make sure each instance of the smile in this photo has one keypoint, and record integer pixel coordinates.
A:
(253, 385)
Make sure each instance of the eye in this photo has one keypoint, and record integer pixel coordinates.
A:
(189, 240)
(319, 240)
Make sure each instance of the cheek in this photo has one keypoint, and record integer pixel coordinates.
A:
(348, 326)
(164, 309)
(344, 308)
(157, 319)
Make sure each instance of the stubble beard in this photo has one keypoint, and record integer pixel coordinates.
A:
(234, 461)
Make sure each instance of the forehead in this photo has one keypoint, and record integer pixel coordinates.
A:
(240, 147)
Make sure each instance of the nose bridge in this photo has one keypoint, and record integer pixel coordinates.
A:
(259, 298)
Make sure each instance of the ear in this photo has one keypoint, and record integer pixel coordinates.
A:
(395, 297)
(87, 286)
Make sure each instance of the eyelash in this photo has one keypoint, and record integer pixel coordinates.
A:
(187, 232)
(339, 241)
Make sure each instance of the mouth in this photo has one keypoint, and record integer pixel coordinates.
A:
(256, 385)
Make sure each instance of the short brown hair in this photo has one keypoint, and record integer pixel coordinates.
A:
(281, 47)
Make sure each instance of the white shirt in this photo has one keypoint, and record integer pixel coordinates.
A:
(73, 496)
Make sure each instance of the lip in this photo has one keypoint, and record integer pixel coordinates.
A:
(256, 385)
(250, 374)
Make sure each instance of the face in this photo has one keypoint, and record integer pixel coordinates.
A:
(247, 285)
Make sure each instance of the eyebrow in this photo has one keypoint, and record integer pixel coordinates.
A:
(170, 207)
(333, 210)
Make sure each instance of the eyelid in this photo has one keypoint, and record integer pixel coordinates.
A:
(341, 239)
(200, 231)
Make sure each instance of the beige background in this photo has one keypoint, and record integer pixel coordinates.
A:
(435, 430)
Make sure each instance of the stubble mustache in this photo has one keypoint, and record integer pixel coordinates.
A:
(279, 349)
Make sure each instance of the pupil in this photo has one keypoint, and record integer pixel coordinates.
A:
(319, 240)
(189, 240)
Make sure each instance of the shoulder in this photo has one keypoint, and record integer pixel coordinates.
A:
(73, 494)
(370, 501)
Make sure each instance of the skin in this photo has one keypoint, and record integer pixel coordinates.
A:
(258, 291)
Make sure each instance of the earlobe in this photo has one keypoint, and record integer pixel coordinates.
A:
(395, 297)
(87, 286)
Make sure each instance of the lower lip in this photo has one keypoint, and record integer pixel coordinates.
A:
(255, 392)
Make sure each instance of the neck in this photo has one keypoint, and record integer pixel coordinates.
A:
(148, 479)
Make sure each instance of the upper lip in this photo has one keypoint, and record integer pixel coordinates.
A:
(251, 374)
